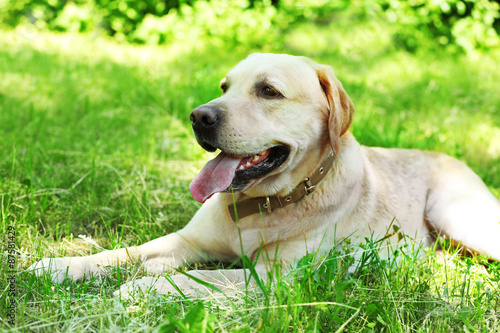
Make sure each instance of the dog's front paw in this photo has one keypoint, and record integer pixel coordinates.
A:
(179, 285)
(73, 268)
(153, 285)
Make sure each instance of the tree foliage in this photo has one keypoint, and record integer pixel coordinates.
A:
(466, 24)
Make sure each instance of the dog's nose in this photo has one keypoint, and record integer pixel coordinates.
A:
(203, 117)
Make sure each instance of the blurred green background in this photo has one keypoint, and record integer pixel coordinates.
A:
(467, 24)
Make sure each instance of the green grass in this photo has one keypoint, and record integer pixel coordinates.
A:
(95, 140)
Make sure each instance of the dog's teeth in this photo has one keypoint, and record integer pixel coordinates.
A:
(255, 158)
(241, 167)
(248, 165)
(262, 153)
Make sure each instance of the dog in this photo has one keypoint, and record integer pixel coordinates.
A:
(290, 180)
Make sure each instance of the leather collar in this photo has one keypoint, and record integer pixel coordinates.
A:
(243, 208)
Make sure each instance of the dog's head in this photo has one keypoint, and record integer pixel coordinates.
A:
(278, 116)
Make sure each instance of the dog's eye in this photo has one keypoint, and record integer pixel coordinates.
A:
(270, 92)
(223, 86)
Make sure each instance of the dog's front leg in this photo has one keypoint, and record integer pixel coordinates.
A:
(162, 254)
(197, 283)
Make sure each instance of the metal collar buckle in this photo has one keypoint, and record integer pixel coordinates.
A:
(307, 186)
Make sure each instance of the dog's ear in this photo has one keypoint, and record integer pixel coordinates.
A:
(340, 106)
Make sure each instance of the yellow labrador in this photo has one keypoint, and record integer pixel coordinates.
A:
(291, 179)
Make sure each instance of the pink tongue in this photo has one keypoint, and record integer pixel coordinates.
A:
(215, 176)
